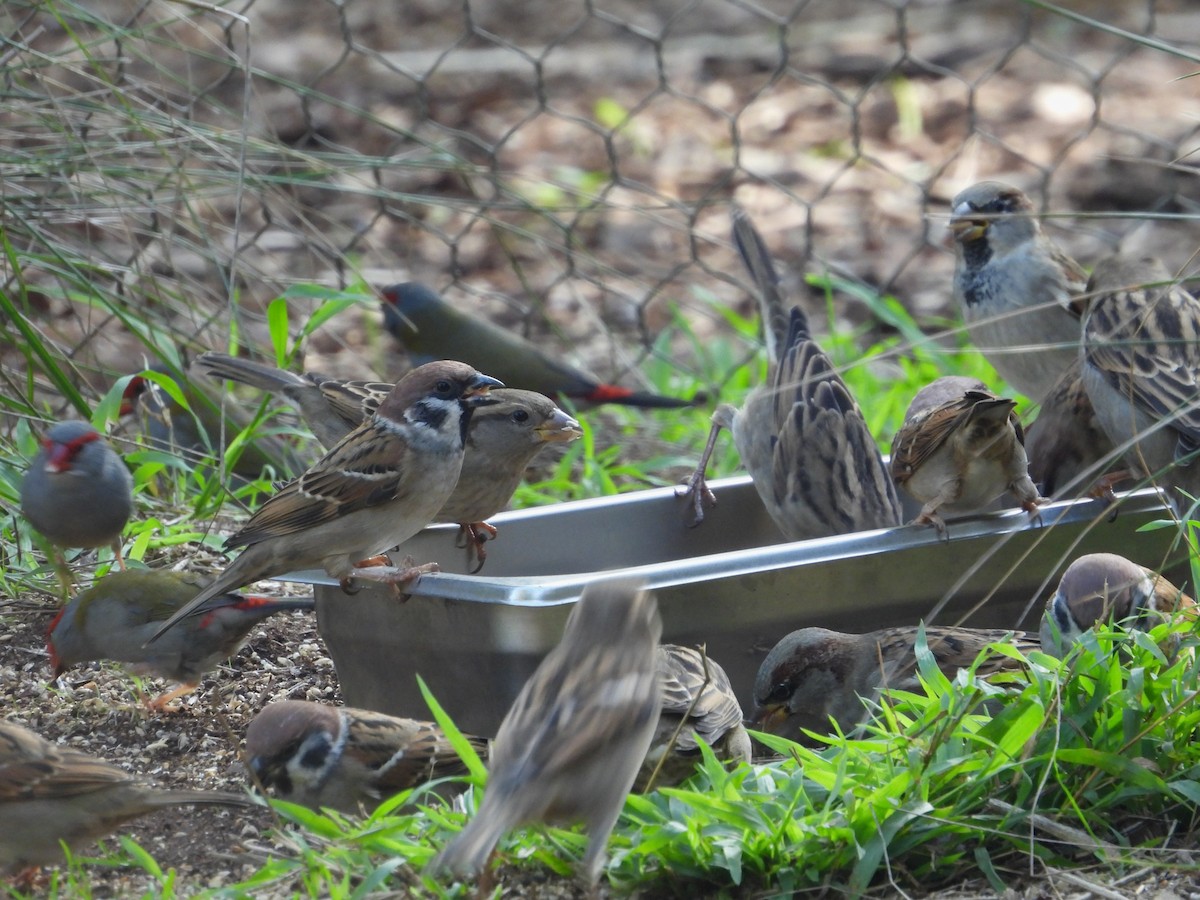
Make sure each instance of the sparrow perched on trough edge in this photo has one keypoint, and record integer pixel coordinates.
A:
(1014, 287)
(1066, 444)
(346, 759)
(1141, 369)
(705, 706)
(960, 448)
(1105, 587)
(815, 674)
(429, 328)
(802, 437)
(573, 741)
(50, 793)
(502, 439)
(115, 617)
(78, 492)
(204, 428)
(379, 486)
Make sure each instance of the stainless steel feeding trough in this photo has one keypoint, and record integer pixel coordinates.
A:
(732, 583)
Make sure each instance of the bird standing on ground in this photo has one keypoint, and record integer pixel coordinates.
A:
(78, 492)
(960, 448)
(1141, 369)
(429, 328)
(50, 794)
(502, 439)
(1014, 287)
(1105, 587)
(571, 745)
(379, 486)
(814, 675)
(347, 759)
(802, 437)
(115, 617)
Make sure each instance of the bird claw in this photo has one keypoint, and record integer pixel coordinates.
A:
(701, 496)
(472, 536)
(930, 517)
(395, 576)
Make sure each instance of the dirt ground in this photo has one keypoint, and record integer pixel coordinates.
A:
(845, 154)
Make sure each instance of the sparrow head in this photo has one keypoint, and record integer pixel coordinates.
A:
(799, 681)
(1118, 272)
(64, 442)
(293, 746)
(430, 394)
(993, 212)
(621, 611)
(1098, 587)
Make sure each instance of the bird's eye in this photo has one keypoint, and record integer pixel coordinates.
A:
(443, 386)
(520, 415)
(780, 692)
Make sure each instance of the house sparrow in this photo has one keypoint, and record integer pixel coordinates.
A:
(346, 759)
(1014, 287)
(202, 432)
(696, 704)
(379, 486)
(814, 674)
(960, 448)
(114, 618)
(1067, 447)
(1104, 587)
(429, 328)
(77, 491)
(573, 741)
(502, 439)
(1141, 365)
(802, 437)
(50, 793)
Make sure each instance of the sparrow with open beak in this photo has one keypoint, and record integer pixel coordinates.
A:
(502, 439)
(379, 486)
(1015, 287)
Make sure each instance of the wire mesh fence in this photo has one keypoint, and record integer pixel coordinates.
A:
(565, 169)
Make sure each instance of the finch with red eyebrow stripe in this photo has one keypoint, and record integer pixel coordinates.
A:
(115, 617)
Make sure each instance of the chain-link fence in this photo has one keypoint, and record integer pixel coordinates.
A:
(169, 167)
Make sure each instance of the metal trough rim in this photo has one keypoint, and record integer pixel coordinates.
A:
(554, 590)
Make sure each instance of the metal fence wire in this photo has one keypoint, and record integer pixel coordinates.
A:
(167, 168)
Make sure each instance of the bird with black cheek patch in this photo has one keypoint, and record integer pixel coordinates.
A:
(502, 440)
(384, 482)
(815, 675)
(1105, 587)
(1015, 288)
(344, 758)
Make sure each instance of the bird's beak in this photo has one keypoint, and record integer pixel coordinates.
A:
(965, 230)
(559, 428)
(476, 393)
(769, 718)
